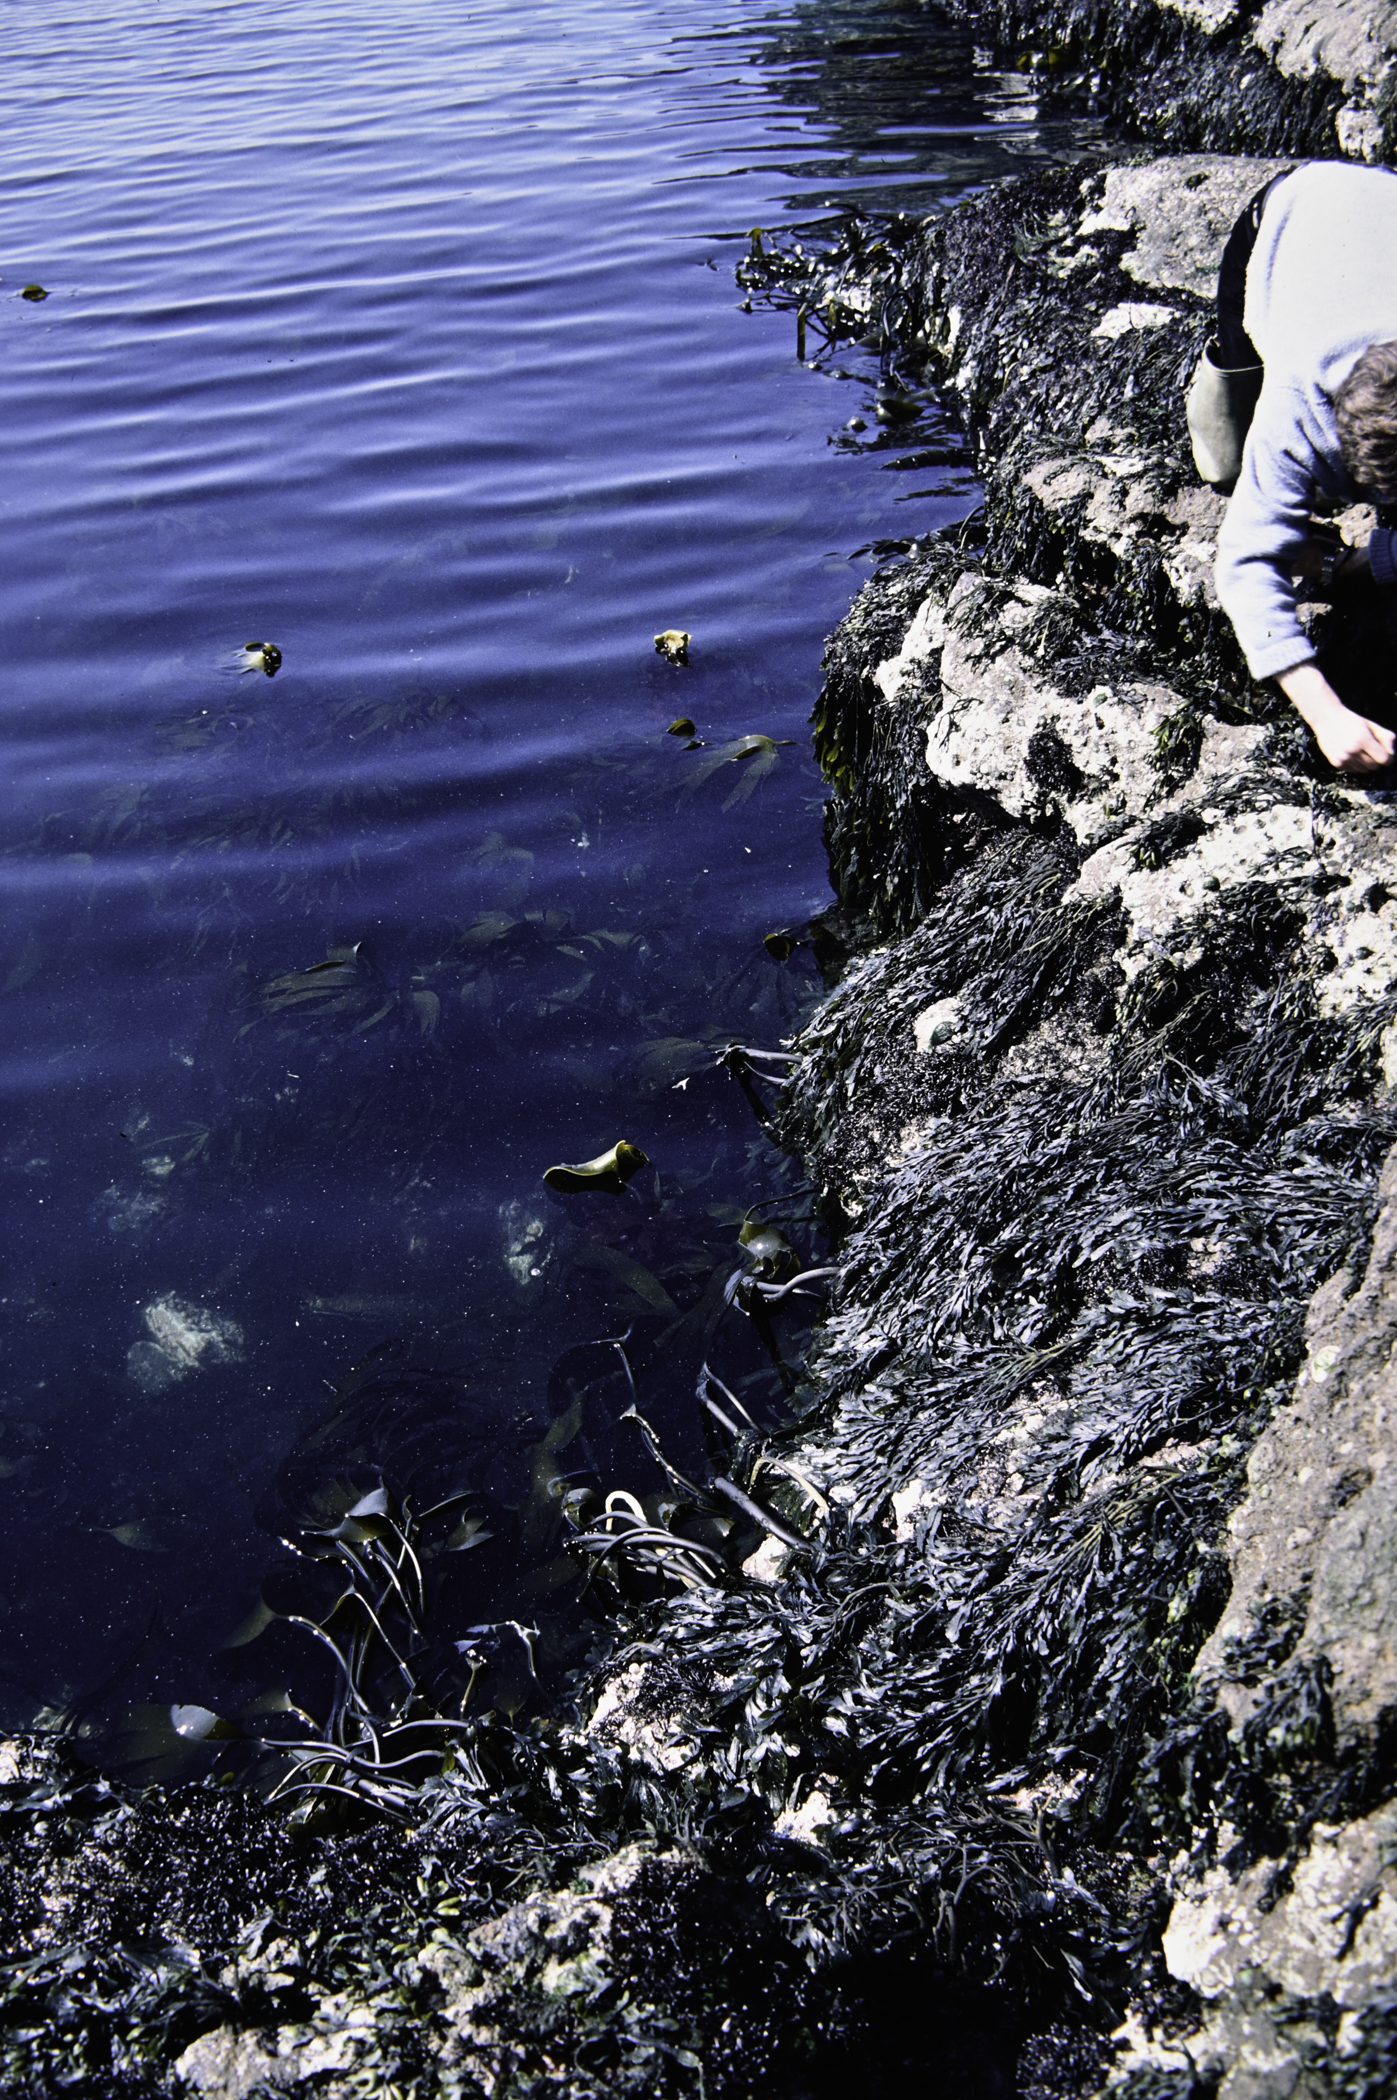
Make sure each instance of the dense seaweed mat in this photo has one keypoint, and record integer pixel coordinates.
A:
(1187, 82)
(151, 1921)
(1075, 1306)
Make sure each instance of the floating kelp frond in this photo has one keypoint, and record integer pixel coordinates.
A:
(199, 1724)
(33, 292)
(427, 1007)
(653, 1549)
(760, 750)
(669, 1058)
(738, 1060)
(137, 1536)
(633, 1274)
(152, 1744)
(386, 1731)
(608, 1173)
(681, 726)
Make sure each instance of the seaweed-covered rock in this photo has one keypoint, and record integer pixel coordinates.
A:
(1284, 77)
(498, 2007)
(1313, 1546)
(1101, 1119)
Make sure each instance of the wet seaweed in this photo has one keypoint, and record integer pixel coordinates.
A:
(1183, 83)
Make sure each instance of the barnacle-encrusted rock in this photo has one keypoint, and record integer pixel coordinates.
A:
(552, 1947)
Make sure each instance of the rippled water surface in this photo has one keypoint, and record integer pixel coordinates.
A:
(408, 340)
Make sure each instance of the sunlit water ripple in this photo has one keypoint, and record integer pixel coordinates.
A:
(408, 340)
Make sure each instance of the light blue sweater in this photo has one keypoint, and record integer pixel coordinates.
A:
(1321, 286)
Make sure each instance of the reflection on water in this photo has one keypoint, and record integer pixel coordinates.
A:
(417, 362)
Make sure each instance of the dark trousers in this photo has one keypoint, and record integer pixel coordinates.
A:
(1236, 350)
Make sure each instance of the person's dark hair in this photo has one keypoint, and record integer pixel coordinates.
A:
(1366, 408)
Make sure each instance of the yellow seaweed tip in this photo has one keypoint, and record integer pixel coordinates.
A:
(608, 1172)
(673, 644)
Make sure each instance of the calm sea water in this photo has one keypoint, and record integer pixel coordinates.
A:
(407, 341)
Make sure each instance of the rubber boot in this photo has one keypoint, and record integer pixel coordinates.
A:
(1220, 405)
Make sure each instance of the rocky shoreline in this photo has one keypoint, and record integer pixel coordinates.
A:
(1135, 1007)
(1059, 1760)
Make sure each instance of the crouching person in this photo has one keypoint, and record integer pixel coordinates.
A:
(1296, 404)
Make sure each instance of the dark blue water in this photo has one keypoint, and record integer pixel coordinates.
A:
(408, 341)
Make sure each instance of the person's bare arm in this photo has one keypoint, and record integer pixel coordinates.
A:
(1349, 741)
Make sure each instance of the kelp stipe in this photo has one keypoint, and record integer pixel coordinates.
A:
(386, 1731)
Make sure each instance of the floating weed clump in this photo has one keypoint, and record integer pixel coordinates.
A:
(760, 753)
(260, 656)
(607, 1174)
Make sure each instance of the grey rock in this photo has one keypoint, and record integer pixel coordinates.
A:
(1352, 41)
(1316, 1535)
(1333, 1933)
(1180, 210)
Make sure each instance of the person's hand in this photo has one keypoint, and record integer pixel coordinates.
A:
(1353, 744)
(1350, 742)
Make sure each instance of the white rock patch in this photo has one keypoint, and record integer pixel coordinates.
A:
(1335, 1931)
(806, 1823)
(1132, 316)
(938, 1024)
(925, 635)
(1164, 906)
(652, 1738)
